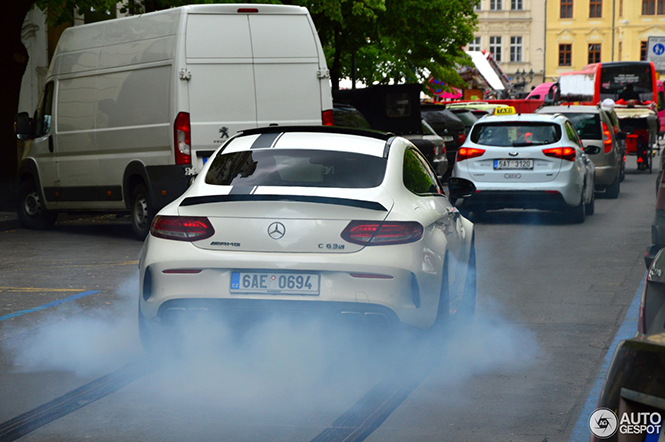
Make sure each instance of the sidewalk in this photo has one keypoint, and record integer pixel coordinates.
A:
(8, 221)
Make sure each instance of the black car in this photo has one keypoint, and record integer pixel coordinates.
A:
(448, 126)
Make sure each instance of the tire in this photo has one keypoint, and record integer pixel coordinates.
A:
(142, 212)
(622, 171)
(577, 214)
(612, 191)
(591, 207)
(31, 211)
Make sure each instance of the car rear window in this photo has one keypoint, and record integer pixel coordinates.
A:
(587, 125)
(519, 133)
(296, 167)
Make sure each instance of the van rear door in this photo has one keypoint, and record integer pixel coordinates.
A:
(222, 97)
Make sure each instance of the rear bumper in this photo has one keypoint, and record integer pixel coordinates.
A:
(505, 199)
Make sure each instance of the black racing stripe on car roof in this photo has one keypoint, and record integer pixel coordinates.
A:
(196, 200)
(266, 140)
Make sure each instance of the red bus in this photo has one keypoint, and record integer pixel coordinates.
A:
(618, 80)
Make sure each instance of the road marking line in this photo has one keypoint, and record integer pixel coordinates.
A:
(35, 289)
(49, 305)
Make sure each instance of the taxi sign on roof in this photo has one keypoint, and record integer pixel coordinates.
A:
(509, 110)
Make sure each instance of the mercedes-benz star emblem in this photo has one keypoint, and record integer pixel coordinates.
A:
(276, 230)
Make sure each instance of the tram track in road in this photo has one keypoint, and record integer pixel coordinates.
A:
(68, 403)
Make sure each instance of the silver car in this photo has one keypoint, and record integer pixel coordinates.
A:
(595, 128)
(527, 161)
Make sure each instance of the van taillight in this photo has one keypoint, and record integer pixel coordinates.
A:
(377, 233)
(182, 228)
(182, 139)
(247, 10)
(564, 153)
(327, 118)
(607, 138)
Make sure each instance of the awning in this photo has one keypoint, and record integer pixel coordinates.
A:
(486, 69)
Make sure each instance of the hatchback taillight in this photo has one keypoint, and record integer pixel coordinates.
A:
(182, 134)
(564, 153)
(461, 138)
(182, 228)
(607, 139)
(377, 233)
(466, 153)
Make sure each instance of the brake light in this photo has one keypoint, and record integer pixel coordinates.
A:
(182, 228)
(466, 153)
(247, 10)
(607, 139)
(377, 233)
(327, 118)
(564, 153)
(461, 138)
(182, 138)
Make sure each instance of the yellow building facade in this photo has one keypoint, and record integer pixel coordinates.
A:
(580, 32)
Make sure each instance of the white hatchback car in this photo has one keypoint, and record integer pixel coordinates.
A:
(529, 161)
(331, 221)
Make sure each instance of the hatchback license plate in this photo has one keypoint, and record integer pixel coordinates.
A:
(275, 283)
(513, 164)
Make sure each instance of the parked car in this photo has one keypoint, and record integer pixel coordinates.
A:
(467, 117)
(531, 161)
(323, 221)
(448, 126)
(595, 128)
(430, 144)
(478, 108)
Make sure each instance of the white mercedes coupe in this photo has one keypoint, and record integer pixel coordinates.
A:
(311, 221)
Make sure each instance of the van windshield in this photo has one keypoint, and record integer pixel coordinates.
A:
(296, 167)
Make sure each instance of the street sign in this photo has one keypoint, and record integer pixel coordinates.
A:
(656, 52)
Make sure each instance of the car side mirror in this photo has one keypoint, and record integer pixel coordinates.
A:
(592, 150)
(622, 136)
(23, 126)
(460, 188)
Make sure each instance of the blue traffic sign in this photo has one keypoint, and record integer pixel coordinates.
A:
(659, 49)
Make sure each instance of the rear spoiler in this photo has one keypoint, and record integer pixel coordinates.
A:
(196, 200)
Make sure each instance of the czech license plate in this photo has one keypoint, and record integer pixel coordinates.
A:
(513, 164)
(447, 138)
(275, 283)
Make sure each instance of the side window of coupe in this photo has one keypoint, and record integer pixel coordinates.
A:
(417, 175)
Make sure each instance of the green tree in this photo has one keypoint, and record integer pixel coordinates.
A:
(389, 41)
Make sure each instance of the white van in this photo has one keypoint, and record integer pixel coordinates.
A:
(133, 107)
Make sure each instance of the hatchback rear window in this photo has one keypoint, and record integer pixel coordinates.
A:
(586, 125)
(509, 134)
(303, 168)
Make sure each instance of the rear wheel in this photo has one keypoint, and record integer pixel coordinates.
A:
(142, 212)
(613, 189)
(31, 211)
(577, 214)
(591, 207)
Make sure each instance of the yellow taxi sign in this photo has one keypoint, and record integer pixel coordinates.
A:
(508, 110)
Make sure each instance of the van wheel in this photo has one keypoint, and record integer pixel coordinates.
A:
(142, 212)
(613, 189)
(31, 211)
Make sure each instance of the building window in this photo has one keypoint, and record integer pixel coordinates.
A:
(566, 9)
(620, 50)
(661, 7)
(475, 44)
(648, 7)
(565, 55)
(477, 7)
(515, 49)
(516, 5)
(595, 8)
(495, 47)
(643, 51)
(594, 53)
(496, 5)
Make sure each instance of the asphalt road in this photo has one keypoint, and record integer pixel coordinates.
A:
(551, 297)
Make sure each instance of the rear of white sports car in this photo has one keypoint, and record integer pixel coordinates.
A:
(301, 224)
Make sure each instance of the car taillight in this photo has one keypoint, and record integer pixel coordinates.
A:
(607, 138)
(182, 228)
(377, 233)
(564, 153)
(182, 139)
(327, 118)
(466, 153)
(461, 138)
